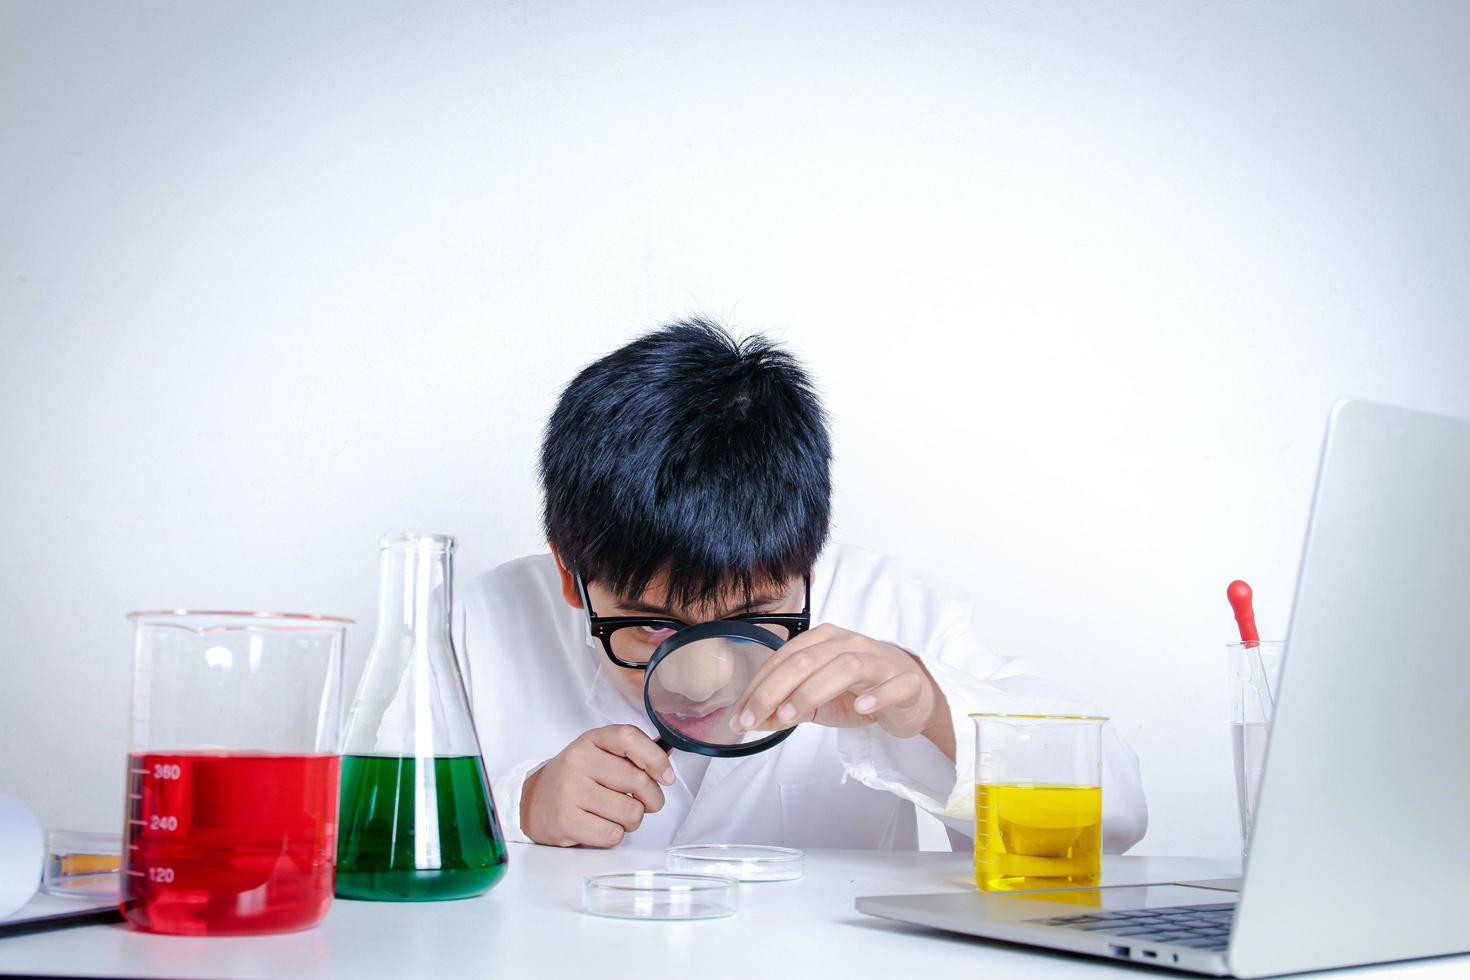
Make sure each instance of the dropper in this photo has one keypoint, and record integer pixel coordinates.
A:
(1239, 595)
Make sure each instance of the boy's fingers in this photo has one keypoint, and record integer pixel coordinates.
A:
(899, 691)
(620, 808)
(811, 638)
(637, 748)
(837, 655)
(591, 830)
(832, 681)
(621, 776)
(773, 681)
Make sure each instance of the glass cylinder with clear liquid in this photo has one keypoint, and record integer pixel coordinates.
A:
(1255, 673)
(418, 822)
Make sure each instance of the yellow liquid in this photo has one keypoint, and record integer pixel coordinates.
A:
(1037, 836)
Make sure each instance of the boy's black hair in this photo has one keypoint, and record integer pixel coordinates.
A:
(693, 452)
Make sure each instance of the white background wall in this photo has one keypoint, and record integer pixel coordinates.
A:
(1079, 283)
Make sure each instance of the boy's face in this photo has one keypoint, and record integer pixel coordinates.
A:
(776, 597)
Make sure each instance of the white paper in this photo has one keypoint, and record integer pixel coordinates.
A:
(43, 906)
(22, 851)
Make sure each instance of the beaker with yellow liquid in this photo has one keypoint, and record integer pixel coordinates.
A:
(1038, 801)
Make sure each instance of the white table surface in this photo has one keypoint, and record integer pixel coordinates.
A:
(530, 925)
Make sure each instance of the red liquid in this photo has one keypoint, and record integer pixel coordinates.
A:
(227, 843)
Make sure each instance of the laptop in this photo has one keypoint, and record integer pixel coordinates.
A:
(1360, 847)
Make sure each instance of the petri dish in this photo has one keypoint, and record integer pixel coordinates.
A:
(660, 895)
(743, 862)
(81, 865)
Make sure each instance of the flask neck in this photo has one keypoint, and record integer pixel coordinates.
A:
(415, 583)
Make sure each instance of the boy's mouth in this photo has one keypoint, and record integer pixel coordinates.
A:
(700, 727)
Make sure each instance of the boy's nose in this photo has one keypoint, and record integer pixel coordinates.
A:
(698, 671)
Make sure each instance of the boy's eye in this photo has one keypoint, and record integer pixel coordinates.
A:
(655, 634)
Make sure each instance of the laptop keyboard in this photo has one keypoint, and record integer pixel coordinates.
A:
(1192, 926)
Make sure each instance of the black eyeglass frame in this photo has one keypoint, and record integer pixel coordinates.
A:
(603, 627)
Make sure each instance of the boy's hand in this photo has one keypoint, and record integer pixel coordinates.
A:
(596, 789)
(842, 679)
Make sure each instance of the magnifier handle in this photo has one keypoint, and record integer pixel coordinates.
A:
(663, 744)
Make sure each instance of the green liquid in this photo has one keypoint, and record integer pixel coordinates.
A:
(390, 850)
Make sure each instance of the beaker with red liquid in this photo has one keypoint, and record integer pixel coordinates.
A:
(233, 772)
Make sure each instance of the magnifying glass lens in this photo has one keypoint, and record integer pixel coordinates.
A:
(692, 689)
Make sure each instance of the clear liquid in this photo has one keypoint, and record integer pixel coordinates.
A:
(1248, 743)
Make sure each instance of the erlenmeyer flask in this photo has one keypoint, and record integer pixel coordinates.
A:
(417, 819)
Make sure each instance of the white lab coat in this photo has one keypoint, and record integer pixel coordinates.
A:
(538, 680)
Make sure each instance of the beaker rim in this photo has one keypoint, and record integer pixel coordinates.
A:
(409, 537)
(1003, 714)
(141, 615)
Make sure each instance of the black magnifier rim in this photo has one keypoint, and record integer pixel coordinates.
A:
(693, 634)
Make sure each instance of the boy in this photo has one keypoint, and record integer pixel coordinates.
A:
(686, 477)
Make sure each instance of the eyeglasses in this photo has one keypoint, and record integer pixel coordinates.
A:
(630, 641)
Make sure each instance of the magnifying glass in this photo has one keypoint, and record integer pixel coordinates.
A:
(694, 680)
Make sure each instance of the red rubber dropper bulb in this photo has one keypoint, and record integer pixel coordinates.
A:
(1239, 595)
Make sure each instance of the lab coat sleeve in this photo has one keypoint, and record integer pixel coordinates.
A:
(916, 770)
(507, 791)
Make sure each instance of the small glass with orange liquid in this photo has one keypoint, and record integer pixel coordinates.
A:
(1038, 801)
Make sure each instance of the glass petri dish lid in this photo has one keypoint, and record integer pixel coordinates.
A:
(660, 895)
(743, 862)
(81, 865)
